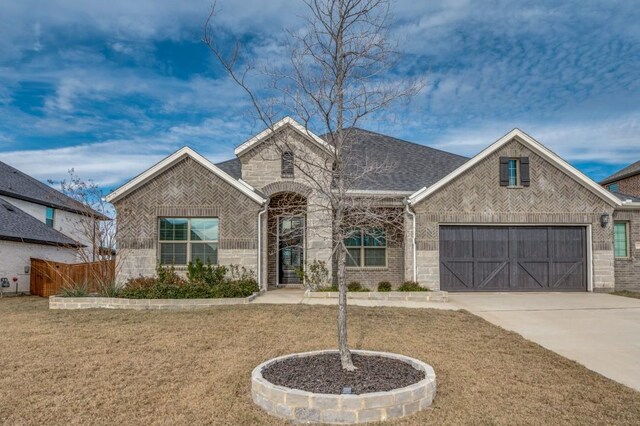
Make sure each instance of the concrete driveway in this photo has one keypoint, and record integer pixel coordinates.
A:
(600, 331)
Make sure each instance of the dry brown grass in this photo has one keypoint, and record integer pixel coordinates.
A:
(627, 293)
(124, 367)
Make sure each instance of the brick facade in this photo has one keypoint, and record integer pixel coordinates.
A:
(627, 271)
(186, 189)
(629, 185)
(476, 197)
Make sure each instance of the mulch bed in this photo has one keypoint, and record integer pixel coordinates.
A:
(324, 374)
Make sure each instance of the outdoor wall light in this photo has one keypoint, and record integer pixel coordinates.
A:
(604, 219)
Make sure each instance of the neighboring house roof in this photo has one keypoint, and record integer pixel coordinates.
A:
(16, 184)
(171, 160)
(407, 166)
(536, 147)
(17, 225)
(287, 121)
(630, 170)
(626, 197)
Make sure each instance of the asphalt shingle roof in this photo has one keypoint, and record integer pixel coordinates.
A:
(17, 225)
(407, 167)
(625, 197)
(630, 170)
(14, 183)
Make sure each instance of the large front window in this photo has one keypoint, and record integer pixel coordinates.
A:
(366, 248)
(183, 240)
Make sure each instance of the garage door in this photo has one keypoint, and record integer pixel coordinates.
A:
(519, 258)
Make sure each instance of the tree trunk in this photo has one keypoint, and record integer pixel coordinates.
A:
(345, 353)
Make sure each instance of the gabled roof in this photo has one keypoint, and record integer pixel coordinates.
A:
(17, 225)
(16, 184)
(536, 147)
(287, 121)
(630, 170)
(174, 158)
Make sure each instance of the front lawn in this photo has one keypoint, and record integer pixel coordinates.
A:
(165, 367)
(627, 293)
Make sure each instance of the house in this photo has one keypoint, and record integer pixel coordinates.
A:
(625, 181)
(516, 217)
(36, 221)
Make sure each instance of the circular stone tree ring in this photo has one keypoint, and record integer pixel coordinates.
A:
(301, 406)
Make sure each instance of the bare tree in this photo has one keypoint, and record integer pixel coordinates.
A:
(95, 230)
(337, 73)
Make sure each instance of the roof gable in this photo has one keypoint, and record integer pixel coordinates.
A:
(285, 122)
(174, 158)
(536, 147)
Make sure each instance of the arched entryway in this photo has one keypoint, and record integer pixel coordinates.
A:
(286, 238)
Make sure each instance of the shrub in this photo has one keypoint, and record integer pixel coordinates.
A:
(411, 286)
(109, 289)
(80, 289)
(384, 286)
(197, 272)
(331, 287)
(317, 275)
(354, 286)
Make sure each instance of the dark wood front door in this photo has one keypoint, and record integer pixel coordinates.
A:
(513, 258)
(290, 249)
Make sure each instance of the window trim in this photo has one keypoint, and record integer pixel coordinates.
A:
(53, 217)
(627, 239)
(518, 176)
(362, 249)
(188, 241)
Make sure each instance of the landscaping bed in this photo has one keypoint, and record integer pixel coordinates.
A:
(105, 367)
(627, 293)
(323, 373)
(409, 296)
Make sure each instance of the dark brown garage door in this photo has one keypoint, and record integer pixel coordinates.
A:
(518, 258)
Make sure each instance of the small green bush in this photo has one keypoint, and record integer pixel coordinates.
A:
(206, 274)
(75, 290)
(384, 286)
(355, 286)
(411, 286)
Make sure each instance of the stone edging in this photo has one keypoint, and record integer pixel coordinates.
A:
(407, 296)
(59, 302)
(307, 407)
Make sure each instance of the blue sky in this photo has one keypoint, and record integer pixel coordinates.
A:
(109, 88)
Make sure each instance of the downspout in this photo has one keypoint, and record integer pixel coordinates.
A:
(413, 238)
(264, 210)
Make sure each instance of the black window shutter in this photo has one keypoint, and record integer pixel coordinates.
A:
(524, 171)
(504, 171)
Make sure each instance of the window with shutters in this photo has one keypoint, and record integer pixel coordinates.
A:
(287, 164)
(514, 172)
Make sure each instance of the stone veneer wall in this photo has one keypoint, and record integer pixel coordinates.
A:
(187, 189)
(477, 198)
(627, 271)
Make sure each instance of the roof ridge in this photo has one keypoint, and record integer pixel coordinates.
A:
(621, 174)
(407, 142)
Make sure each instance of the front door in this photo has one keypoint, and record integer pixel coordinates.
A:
(290, 249)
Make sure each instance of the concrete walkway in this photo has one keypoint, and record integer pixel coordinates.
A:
(295, 296)
(600, 331)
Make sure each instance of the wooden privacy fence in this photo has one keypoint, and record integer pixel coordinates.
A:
(48, 277)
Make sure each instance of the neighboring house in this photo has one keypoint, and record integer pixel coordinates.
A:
(516, 217)
(625, 181)
(36, 221)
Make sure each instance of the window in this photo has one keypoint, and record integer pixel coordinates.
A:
(49, 216)
(366, 248)
(514, 172)
(614, 187)
(621, 239)
(287, 164)
(186, 239)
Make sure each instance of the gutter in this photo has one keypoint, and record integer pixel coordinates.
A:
(413, 238)
(259, 274)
